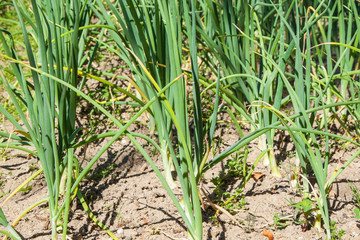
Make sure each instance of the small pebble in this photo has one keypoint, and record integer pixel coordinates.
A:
(128, 237)
(120, 231)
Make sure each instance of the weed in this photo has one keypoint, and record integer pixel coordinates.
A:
(356, 194)
(290, 154)
(280, 222)
(26, 189)
(215, 146)
(33, 167)
(5, 193)
(118, 215)
(335, 233)
(102, 173)
(303, 213)
(235, 201)
(214, 220)
(250, 223)
(234, 170)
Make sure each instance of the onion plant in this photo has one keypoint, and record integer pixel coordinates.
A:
(265, 54)
(53, 43)
(56, 99)
(228, 31)
(145, 39)
(313, 159)
(342, 28)
(150, 40)
(50, 100)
